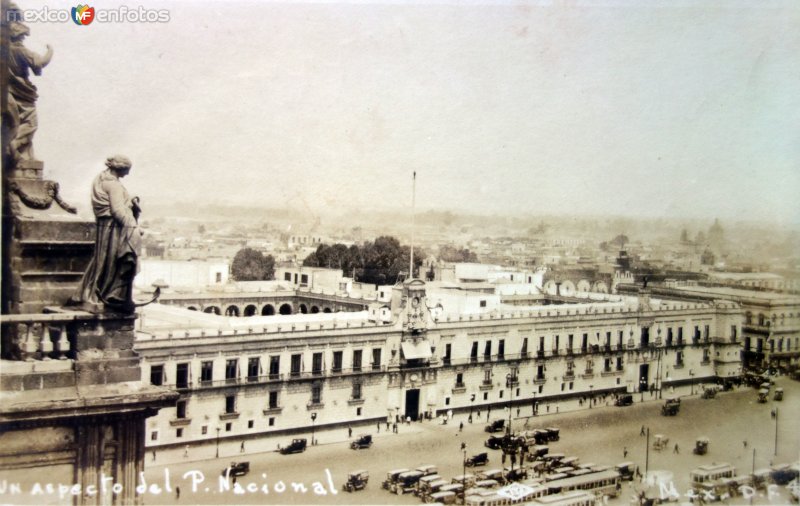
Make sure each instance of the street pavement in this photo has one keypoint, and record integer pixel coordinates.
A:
(599, 435)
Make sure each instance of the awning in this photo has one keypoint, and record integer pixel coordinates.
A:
(420, 349)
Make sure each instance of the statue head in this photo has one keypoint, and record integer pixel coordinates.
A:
(119, 164)
(18, 31)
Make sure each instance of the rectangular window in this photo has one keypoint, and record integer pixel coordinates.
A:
(541, 344)
(555, 345)
(487, 350)
(570, 343)
(356, 360)
(608, 338)
(274, 367)
(607, 365)
(620, 336)
(706, 332)
(218, 278)
(584, 343)
(316, 364)
(154, 436)
(524, 350)
(680, 336)
(356, 391)
(180, 409)
(182, 375)
(297, 360)
(501, 349)
(539, 372)
(304, 279)
(459, 380)
(448, 348)
(287, 276)
(228, 427)
(316, 394)
(620, 365)
(669, 336)
(679, 358)
(206, 372)
(271, 421)
(204, 430)
(231, 370)
(733, 332)
(376, 359)
(157, 375)
(273, 400)
(253, 368)
(230, 404)
(179, 433)
(645, 338)
(337, 361)
(473, 354)
(250, 424)
(487, 377)
(483, 303)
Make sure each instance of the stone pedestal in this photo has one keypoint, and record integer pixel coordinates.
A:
(46, 248)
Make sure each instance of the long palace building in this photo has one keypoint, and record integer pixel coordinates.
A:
(425, 351)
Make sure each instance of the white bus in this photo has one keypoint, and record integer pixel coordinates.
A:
(600, 484)
(573, 498)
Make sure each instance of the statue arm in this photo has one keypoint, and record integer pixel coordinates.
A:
(37, 62)
(120, 204)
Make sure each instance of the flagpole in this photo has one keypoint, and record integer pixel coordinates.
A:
(413, 216)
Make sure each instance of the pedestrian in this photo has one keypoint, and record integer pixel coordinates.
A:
(517, 412)
(449, 414)
(350, 431)
(177, 492)
(241, 448)
(394, 427)
(676, 449)
(154, 455)
(642, 432)
(625, 452)
(408, 420)
(479, 413)
(387, 426)
(743, 442)
(379, 427)
(461, 427)
(186, 451)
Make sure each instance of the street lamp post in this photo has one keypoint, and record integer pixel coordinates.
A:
(464, 473)
(471, 401)
(313, 419)
(647, 452)
(217, 453)
(591, 396)
(776, 431)
(511, 379)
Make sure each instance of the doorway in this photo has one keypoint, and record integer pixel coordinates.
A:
(412, 403)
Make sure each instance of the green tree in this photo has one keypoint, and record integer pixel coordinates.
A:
(452, 254)
(378, 262)
(251, 265)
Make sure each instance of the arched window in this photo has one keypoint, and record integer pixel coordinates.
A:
(268, 310)
(285, 309)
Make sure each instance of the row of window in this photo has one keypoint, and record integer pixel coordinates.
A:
(255, 370)
(781, 344)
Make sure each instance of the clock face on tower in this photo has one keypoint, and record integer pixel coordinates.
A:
(415, 302)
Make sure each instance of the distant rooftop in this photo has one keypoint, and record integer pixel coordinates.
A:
(743, 293)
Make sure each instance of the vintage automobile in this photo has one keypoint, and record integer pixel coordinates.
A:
(427, 469)
(778, 396)
(516, 474)
(537, 452)
(236, 469)
(553, 433)
(626, 470)
(709, 392)
(296, 446)
(496, 426)
(427, 485)
(391, 478)
(462, 480)
(361, 442)
(782, 474)
(406, 482)
(357, 480)
(496, 442)
(700, 446)
(446, 497)
(480, 459)
(671, 407)
(491, 474)
(763, 395)
(624, 400)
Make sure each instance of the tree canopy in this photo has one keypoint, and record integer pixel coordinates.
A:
(251, 265)
(453, 254)
(379, 262)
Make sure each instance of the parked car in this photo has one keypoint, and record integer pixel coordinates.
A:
(480, 459)
(236, 469)
(406, 482)
(710, 392)
(624, 400)
(553, 433)
(363, 441)
(391, 478)
(763, 395)
(496, 426)
(357, 480)
(296, 446)
(495, 442)
(701, 446)
(778, 396)
(626, 470)
(671, 407)
(427, 469)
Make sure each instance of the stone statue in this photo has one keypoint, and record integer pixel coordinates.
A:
(109, 277)
(22, 93)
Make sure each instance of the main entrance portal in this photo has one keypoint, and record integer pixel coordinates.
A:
(412, 403)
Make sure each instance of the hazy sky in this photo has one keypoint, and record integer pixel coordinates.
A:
(685, 108)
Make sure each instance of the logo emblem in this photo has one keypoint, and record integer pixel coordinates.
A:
(82, 15)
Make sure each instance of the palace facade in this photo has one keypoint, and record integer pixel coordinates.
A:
(426, 351)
